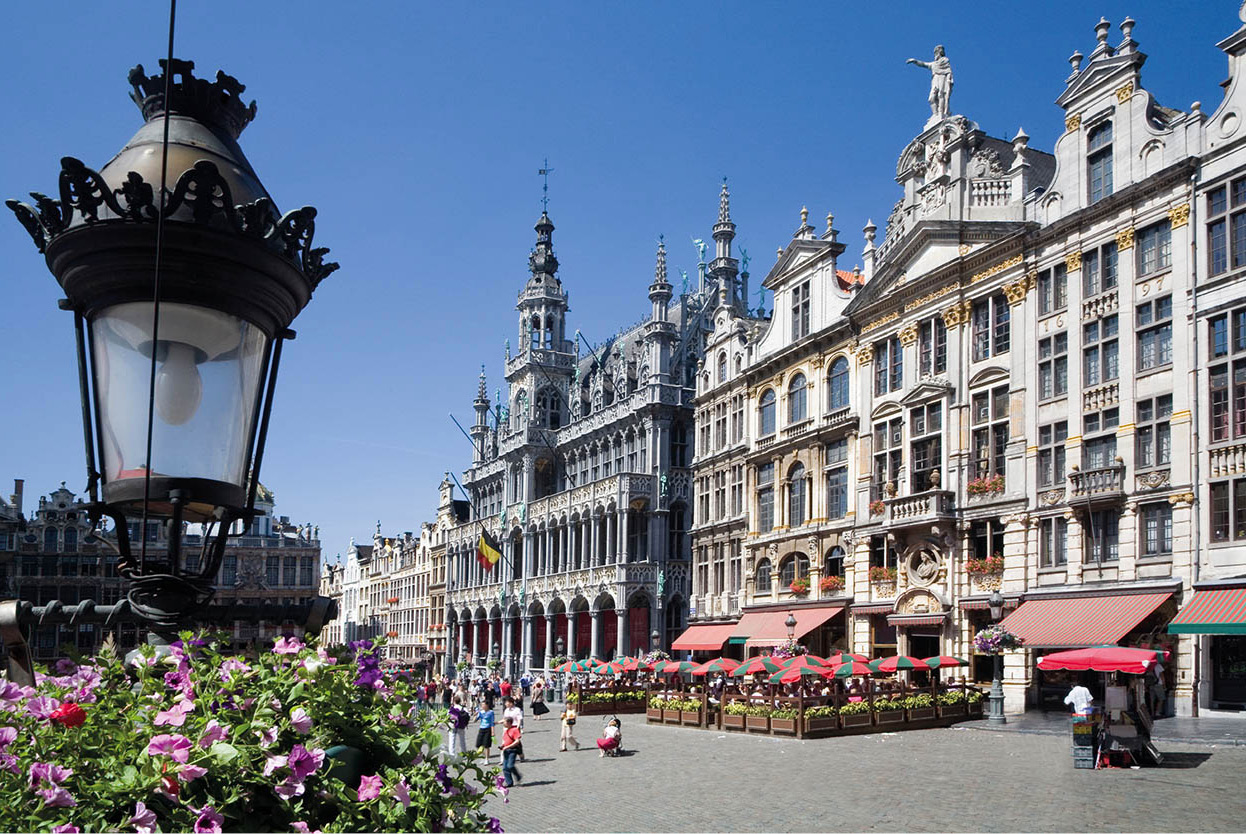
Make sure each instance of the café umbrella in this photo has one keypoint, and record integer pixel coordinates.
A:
(805, 661)
(756, 665)
(942, 660)
(846, 657)
(725, 665)
(898, 663)
(792, 674)
(848, 670)
(673, 667)
(1101, 659)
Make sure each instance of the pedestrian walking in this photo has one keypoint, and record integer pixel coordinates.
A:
(484, 736)
(538, 700)
(456, 738)
(568, 729)
(512, 746)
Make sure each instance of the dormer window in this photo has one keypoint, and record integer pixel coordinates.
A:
(800, 311)
(1099, 161)
(722, 367)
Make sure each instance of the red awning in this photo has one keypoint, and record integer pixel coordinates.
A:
(703, 638)
(767, 628)
(1072, 622)
(1215, 611)
(916, 619)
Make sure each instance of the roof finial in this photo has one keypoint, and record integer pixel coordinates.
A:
(545, 172)
(481, 392)
(830, 220)
(724, 204)
(659, 272)
(804, 216)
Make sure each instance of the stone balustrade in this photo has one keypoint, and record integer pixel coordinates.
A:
(1101, 397)
(1227, 460)
(1107, 481)
(989, 193)
(1100, 305)
(925, 506)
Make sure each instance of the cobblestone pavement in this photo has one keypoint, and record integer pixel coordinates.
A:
(1210, 730)
(955, 779)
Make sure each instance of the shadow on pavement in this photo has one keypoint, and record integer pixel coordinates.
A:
(538, 782)
(1184, 761)
(533, 761)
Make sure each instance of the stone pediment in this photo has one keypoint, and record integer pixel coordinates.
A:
(928, 389)
(884, 411)
(1102, 72)
(798, 252)
(987, 376)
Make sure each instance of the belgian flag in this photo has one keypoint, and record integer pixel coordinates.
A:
(488, 551)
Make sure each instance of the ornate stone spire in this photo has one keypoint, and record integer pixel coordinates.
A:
(482, 392)
(659, 270)
(542, 261)
(724, 204)
(660, 289)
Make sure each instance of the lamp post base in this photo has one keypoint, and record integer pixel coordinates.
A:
(996, 698)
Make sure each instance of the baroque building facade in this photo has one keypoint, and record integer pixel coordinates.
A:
(1010, 399)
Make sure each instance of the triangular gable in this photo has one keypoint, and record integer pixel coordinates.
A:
(799, 250)
(1098, 72)
(927, 389)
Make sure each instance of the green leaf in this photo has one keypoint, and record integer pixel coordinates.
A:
(297, 691)
(223, 752)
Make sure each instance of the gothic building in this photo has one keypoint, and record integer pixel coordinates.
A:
(583, 473)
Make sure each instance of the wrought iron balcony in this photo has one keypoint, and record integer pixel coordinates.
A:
(1106, 483)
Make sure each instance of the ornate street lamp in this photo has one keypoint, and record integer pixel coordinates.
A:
(183, 279)
(996, 699)
(560, 646)
(790, 622)
(655, 640)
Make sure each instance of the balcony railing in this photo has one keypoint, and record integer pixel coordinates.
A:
(1228, 460)
(925, 506)
(1100, 305)
(1101, 397)
(1105, 482)
(989, 193)
(839, 417)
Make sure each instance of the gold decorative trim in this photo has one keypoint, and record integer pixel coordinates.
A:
(1016, 291)
(1125, 239)
(865, 354)
(1072, 123)
(957, 314)
(926, 299)
(963, 249)
(1123, 93)
(1073, 261)
(1180, 416)
(1179, 216)
(879, 322)
(995, 270)
(1184, 499)
(908, 336)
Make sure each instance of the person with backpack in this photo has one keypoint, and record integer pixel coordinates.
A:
(457, 725)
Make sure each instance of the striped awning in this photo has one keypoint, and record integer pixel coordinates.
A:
(767, 628)
(1216, 611)
(873, 608)
(983, 603)
(1073, 622)
(916, 619)
(703, 638)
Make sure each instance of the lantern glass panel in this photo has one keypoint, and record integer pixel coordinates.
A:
(209, 367)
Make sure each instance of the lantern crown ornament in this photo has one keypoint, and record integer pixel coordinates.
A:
(184, 279)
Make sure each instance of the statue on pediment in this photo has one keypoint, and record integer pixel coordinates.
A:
(940, 83)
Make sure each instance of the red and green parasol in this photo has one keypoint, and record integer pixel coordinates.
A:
(898, 663)
(943, 660)
(756, 665)
(674, 667)
(852, 669)
(805, 661)
(846, 657)
(792, 674)
(635, 664)
(725, 665)
(588, 664)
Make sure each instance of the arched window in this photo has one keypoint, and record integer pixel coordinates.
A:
(534, 332)
(793, 567)
(766, 413)
(797, 494)
(837, 383)
(796, 401)
(722, 367)
(834, 562)
(549, 409)
(763, 577)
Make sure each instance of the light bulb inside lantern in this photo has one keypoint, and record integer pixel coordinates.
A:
(179, 388)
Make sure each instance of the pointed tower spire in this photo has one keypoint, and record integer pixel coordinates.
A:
(482, 392)
(660, 289)
(724, 204)
(725, 269)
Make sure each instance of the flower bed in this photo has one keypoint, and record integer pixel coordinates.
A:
(882, 574)
(295, 739)
(993, 564)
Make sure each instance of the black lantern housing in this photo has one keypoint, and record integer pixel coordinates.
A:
(995, 602)
(790, 622)
(233, 274)
(560, 645)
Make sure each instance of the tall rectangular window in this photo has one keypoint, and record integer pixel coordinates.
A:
(765, 497)
(926, 431)
(1102, 530)
(1226, 227)
(1228, 510)
(737, 489)
(272, 571)
(1099, 446)
(737, 418)
(1156, 529)
(1053, 290)
(1051, 451)
(1153, 320)
(1154, 245)
(1099, 270)
(1101, 351)
(837, 478)
(1053, 366)
(932, 347)
(229, 570)
(800, 311)
(1154, 434)
(991, 328)
(989, 418)
(888, 456)
(289, 573)
(1099, 161)
(1053, 536)
(888, 365)
(1227, 377)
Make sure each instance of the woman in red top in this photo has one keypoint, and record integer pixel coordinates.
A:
(511, 739)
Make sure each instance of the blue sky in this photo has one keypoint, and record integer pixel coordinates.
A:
(417, 130)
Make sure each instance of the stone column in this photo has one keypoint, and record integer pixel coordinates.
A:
(612, 544)
(1073, 546)
(549, 639)
(1129, 543)
(595, 556)
(624, 515)
(527, 642)
(571, 634)
(462, 632)
(594, 645)
(621, 636)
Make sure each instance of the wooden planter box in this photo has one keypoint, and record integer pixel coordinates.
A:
(976, 709)
(891, 716)
(757, 723)
(922, 714)
(821, 725)
(786, 726)
(733, 722)
(670, 716)
(692, 719)
(953, 711)
(863, 719)
(654, 715)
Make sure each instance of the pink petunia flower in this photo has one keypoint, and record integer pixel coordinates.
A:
(301, 720)
(209, 821)
(369, 788)
(304, 762)
(7, 736)
(144, 819)
(288, 645)
(402, 792)
(42, 707)
(41, 772)
(273, 764)
(267, 737)
(303, 828)
(212, 733)
(175, 746)
(289, 789)
(175, 716)
(67, 828)
(57, 797)
(190, 772)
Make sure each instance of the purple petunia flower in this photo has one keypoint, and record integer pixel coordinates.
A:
(304, 762)
(209, 821)
(213, 733)
(144, 819)
(57, 797)
(7, 736)
(267, 737)
(273, 764)
(402, 792)
(495, 826)
(369, 788)
(42, 707)
(288, 645)
(175, 746)
(175, 716)
(301, 720)
(67, 828)
(190, 772)
(289, 789)
(41, 772)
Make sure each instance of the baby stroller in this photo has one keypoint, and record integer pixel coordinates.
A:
(616, 748)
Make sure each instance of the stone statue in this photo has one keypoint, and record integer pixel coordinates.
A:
(662, 485)
(684, 274)
(940, 83)
(744, 259)
(508, 348)
(523, 513)
(661, 583)
(701, 247)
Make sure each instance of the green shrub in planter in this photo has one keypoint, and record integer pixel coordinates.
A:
(886, 705)
(785, 712)
(736, 708)
(759, 710)
(919, 701)
(975, 695)
(820, 712)
(951, 699)
(855, 708)
(657, 702)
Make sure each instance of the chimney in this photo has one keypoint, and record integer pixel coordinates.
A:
(16, 498)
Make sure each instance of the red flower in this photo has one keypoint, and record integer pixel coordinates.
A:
(69, 715)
